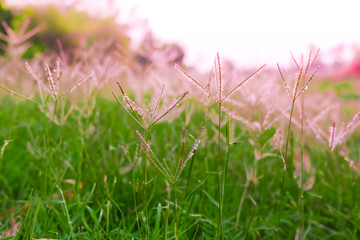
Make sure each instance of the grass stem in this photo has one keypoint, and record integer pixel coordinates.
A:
(146, 134)
(302, 169)
(285, 162)
(47, 148)
(176, 213)
(221, 232)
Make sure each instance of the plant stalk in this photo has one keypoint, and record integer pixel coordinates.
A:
(176, 215)
(285, 161)
(219, 175)
(146, 134)
(302, 169)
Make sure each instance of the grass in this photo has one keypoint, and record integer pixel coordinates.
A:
(220, 99)
(294, 96)
(95, 192)
(240, 161)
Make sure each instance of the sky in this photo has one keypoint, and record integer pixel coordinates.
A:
(247, 32)
(251, 32)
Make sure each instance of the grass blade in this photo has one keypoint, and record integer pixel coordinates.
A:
(67, 214)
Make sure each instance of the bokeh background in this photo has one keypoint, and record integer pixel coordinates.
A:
(246, 32)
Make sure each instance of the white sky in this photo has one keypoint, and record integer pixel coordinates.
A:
(252, 31)
(246, 31)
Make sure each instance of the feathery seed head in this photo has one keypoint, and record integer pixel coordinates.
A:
(219, 81)
(150, 118)
(331, 137)
(52, 86)
(194, 82)
(218, 74)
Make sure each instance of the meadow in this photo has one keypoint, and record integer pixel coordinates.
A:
(115, 144)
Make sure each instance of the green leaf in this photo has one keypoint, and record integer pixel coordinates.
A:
(216, 203)
(266, 136)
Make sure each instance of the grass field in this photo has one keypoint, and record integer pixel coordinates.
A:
(93, 178)
(101, 141)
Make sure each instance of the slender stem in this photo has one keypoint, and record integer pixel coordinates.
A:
(54, 113)
(327, 164)
(302, 194)
(226, 159)
(285, 161)
(288, 133)
(166, 221)
(46, 153)
(176, 217)
(281, 204)
(189, 175)
(107, 216)
(51, 127)
(146, 134)
(302, 169)
(238, 214)
(47, 146)
(135, 204)
(219, 175)
(84, 147)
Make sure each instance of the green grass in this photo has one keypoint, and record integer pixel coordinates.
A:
(96, 191)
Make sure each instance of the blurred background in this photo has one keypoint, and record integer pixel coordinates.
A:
(247, 33)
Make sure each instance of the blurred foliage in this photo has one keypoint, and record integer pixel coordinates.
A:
(72, 28)
(344, 89)
(7, 16)
(33, 50)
